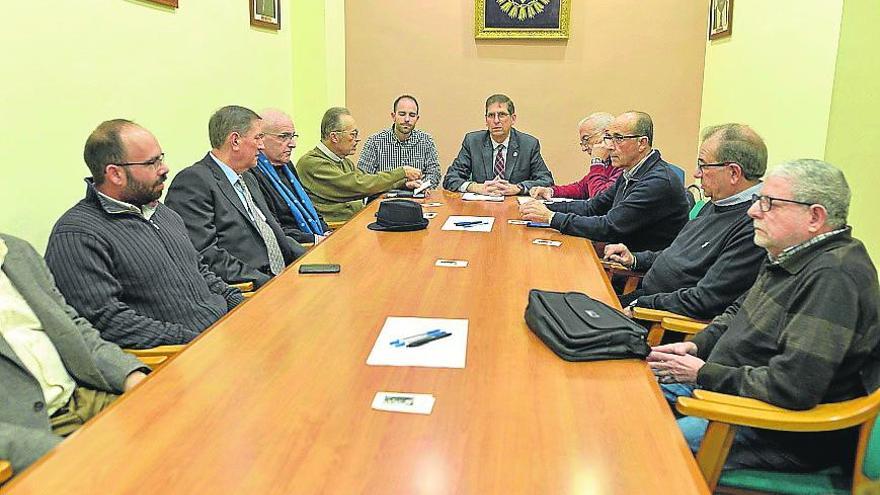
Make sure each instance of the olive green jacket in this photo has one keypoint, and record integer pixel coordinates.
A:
(338, 188)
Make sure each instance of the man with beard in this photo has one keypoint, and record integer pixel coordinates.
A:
(123, 259)
(402, 144)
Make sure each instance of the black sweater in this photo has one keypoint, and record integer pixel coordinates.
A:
(645, 212)
(712, 262)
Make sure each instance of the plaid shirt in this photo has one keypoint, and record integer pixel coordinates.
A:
(383, 152)
(805, 333)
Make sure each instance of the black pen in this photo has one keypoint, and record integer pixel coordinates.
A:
(429, 338)
(468, 224)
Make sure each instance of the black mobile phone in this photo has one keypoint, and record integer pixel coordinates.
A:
(319, 268)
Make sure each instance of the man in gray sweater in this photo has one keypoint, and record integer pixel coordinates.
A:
(713, 260)
(123, 259)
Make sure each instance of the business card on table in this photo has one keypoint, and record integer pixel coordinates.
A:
(451, 263)
(432, 204)
(429, 214)
(404, 402)
(518, 222)
(547, 242)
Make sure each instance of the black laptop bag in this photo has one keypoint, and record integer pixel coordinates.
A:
(579, 328)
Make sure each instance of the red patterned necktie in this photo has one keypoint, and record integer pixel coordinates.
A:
(499, 162)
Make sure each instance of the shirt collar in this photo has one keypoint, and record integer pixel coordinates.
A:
(789, 257)
(114, 206)
(331, 155)
(740, 197)
(629, 174)
(505, 143)
(231, 175)
(413, 136)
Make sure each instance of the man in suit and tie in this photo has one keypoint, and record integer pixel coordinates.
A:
(500, 161)
(225, 213)
(55, 371)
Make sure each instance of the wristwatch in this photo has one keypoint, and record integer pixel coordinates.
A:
(596, 161)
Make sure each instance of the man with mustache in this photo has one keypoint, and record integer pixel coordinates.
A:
(499, 161)
(123, 259)
(805, 333)
(225, 213)
(402, 144)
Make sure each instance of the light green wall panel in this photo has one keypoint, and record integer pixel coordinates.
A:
(853, 132)
(81, 62)
(776, 73)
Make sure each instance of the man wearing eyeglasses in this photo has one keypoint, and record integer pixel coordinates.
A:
(338, 188)
(644, 209)
(602, 174)
(500, 161)
(123, 259)
(714, 259)
(280, 183)
(225, 213)
(806, 333)
(402, 144)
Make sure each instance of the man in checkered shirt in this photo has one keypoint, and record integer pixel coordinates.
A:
(402, 144)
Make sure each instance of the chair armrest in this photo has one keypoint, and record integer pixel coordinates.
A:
(683, 324)
(750, 412)
(648, 314)
(5, 471)
(244, 286)
(335, 225)
(162, 350)
(153, 361)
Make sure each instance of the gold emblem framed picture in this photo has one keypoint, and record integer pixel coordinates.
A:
(266, 13)
(537, 19)
(720, 18)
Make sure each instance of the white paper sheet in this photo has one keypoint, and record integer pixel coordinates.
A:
(526, 199)
(485, 226)
(403, 402)
(449, 352)
(469, 196)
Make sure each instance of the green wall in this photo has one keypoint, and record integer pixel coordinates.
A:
(853, 132)
(775, 73)
(83, 62)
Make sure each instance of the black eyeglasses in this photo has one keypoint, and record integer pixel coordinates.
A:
(617, 138)
(284, 136)
(701, 166)
(152, 162)
(353, 133)
(766, 202)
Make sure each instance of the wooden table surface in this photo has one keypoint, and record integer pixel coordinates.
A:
(276, 397)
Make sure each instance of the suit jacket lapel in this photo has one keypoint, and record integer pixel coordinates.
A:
(227, 189)
(55, 322)
(512, 154)
(488, 164)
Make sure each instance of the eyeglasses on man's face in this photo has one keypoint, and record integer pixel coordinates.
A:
(497, 115)
(152, 162)
(766, 202)
(284, 136)
(702, 166)
(617, 139)
(585, 141)
(353, 133)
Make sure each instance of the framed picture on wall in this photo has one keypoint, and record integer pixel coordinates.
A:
(170, 3)
(536, 19)
(720, 18)
(266, 13)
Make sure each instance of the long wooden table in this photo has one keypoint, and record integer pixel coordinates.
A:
(275, 398)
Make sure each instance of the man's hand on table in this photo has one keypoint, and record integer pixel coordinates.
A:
(535, 211)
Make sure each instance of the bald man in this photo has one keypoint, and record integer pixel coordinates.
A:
(280, 184)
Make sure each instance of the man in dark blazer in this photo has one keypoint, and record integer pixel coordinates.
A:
(646, 207)
(225, 213)
(55, 371)
(500, 161)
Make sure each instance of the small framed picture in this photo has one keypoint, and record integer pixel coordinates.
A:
(170, 3)
(720, 18)
(266, 13)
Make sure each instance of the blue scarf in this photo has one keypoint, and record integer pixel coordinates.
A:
(297, 200)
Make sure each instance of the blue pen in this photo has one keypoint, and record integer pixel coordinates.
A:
(468, 224)
(402, 342)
